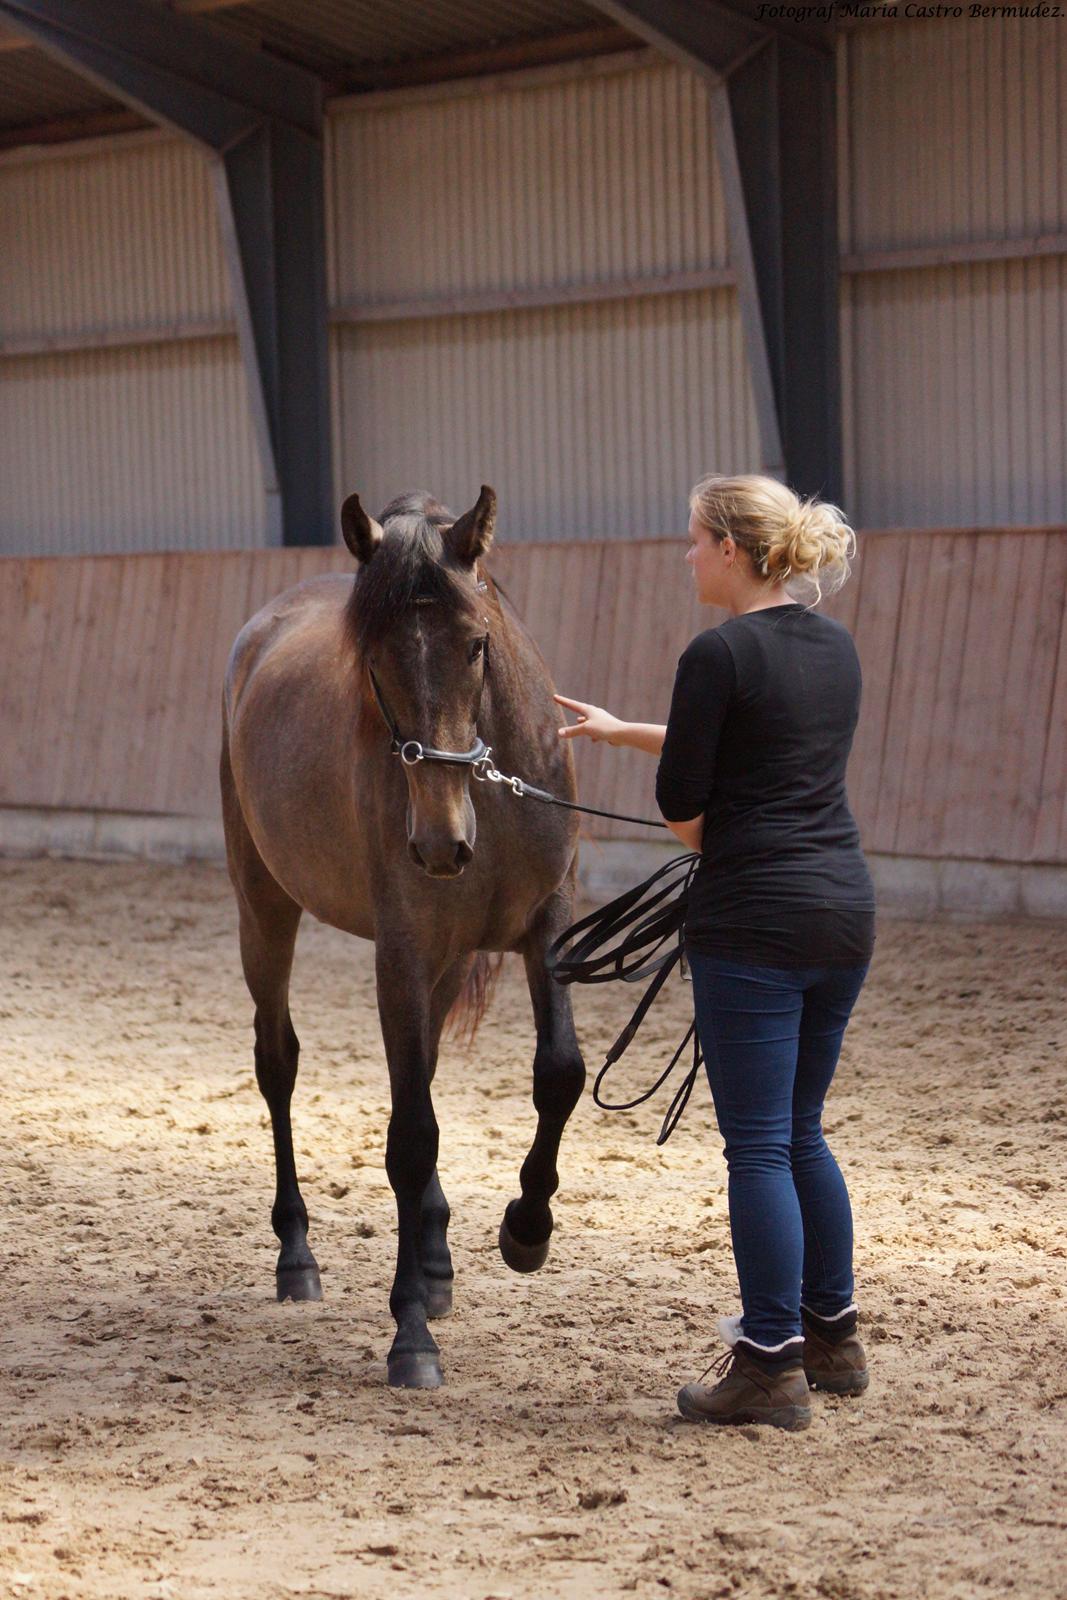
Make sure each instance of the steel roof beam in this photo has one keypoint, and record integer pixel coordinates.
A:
(773, 105)
(260, 120)
(703, 35)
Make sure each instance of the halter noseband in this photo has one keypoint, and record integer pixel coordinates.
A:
(411, 751)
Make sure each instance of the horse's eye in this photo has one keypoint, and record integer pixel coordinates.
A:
(477, 648)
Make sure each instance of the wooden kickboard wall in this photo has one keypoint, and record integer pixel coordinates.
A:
(111, 667)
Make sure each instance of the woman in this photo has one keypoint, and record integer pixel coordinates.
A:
(779, 925)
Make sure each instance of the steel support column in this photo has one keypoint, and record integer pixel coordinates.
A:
(781, 106)
(772, 92)
(260, 121)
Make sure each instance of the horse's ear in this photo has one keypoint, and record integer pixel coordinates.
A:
(362, 534)
(471, 536)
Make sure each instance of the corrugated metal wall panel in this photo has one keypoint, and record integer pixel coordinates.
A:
(958, 390)
(956, 130)
(593, 418)
(110, 239)
(600, 177)
(955, 377)
(137, 449)
(589, 421)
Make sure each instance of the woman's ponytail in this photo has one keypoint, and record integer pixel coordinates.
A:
(788, 540)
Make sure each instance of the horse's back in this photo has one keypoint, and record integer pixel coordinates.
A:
(286, 627)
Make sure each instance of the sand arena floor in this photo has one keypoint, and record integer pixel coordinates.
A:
(167, 1429)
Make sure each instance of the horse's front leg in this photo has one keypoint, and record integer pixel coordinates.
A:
(404, 1005)
(433, 1239)
(558, 1080)
(434, 1254)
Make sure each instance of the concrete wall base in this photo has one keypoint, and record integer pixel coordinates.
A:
(109, 835)
(907, 886)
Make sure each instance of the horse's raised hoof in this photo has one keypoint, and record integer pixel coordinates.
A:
(439, 1300)
(299, 1283)
(416, 1369)
(518, 1256)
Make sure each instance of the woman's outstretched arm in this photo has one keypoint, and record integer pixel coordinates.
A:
(597, 724)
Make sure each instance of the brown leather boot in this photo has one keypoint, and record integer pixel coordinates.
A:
(750, 1392)
(839, 1368)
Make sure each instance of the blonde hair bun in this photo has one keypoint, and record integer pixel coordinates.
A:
(786, 538)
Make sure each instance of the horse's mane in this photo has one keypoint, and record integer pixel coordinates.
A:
(411, 564)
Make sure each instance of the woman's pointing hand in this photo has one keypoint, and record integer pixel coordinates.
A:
(593, 721)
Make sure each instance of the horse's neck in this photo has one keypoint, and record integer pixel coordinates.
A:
(517, 674)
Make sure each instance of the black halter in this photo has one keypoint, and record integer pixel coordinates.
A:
(412, 751)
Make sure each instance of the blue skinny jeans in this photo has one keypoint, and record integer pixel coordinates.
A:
(771, 1038)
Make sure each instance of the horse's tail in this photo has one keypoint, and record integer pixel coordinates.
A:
(472, 1002)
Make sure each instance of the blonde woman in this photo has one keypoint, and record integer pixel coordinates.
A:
(779, 925)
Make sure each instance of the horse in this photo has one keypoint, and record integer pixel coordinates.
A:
(356, 710)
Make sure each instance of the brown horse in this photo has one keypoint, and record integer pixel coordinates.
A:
(328, 809)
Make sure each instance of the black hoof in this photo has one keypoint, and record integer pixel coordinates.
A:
(438, 1301)
(521, 1257)
(299, 1283)
(421, 1369)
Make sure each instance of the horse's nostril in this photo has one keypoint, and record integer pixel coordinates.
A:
(415, 854)
(463, 853)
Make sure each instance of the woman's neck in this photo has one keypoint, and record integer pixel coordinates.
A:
(753, 598)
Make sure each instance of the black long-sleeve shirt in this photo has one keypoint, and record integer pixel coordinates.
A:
(760, 728)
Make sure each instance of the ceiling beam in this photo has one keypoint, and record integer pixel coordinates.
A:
(15, 41)
(711, 37)
(170, 67)
(702, 35)
(516, 55)
(77, 125)
(557, 49)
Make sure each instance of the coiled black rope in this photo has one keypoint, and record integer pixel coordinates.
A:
(643, 920)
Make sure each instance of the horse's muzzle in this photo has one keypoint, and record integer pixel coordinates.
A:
(440, 859)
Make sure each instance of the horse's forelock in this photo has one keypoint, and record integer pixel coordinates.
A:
(409, 566)
(420, 505)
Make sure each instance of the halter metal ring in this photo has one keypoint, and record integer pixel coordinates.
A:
(411, 744)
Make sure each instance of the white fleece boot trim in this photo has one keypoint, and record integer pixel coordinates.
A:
(836, 1316)
(730, 1332)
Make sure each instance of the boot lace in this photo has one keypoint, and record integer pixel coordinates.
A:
(720, 1366)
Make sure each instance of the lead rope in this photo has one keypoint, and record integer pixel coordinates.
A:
(483, 769)
(645, 926)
